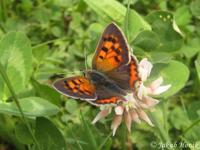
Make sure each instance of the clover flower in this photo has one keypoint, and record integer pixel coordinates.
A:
(132, 110)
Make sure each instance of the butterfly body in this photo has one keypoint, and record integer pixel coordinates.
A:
(113, 74)
(100, 80)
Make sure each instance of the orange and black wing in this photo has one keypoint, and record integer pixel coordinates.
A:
(112, 50)
(106, 96)
(77, 87)
(126, 76)
(109, 100)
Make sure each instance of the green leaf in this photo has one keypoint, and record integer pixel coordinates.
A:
(31, 107)
(43, 16)
(147, 40)
(15, 50)
(95, 29)
(23, 134)
(191, 48)
(40, 52)
(164, 26)
(71, 105)
(174, 73)
(48, 135)
(195, 8)
(46, 92)
(160, 57)
(117, 13)
(182, 15)
(136, 24)
(179, 118)
(193, 110)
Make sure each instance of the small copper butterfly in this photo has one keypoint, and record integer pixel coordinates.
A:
(113, 74)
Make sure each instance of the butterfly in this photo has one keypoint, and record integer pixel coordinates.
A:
(114, 72)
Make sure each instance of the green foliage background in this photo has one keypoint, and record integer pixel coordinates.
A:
(42, 40)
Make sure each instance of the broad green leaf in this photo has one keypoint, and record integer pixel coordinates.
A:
(15, 56)
(136, 24)
(31, 106)
(182, 15)
(174, 73)
(40, 52)
(22, 133)
(46, 92)
(147, 40)
(48, 135)
(191, 48)
(117, 13)
(163, 24)
(160, 57)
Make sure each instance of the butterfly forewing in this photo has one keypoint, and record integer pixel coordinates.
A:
(78, 87)
(112, 50)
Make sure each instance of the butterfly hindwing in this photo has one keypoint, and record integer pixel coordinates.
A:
(112, 50)
(126, 76)
(103, 101)
(78, 87)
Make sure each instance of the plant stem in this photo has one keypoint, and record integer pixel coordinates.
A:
(126, 22)
(7, 81)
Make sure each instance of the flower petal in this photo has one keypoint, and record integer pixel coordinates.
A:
(148, 102)
(144, 69)
(119, 110)
(144, 117)
(128, 120)
(134, 117)
(102, 114)
(156, 83)
(160, 89)
(141, 91)
(115, 123)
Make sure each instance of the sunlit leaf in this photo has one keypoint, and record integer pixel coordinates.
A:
(174, 73)
(31, 106)
(117, 13)
(15, 50)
